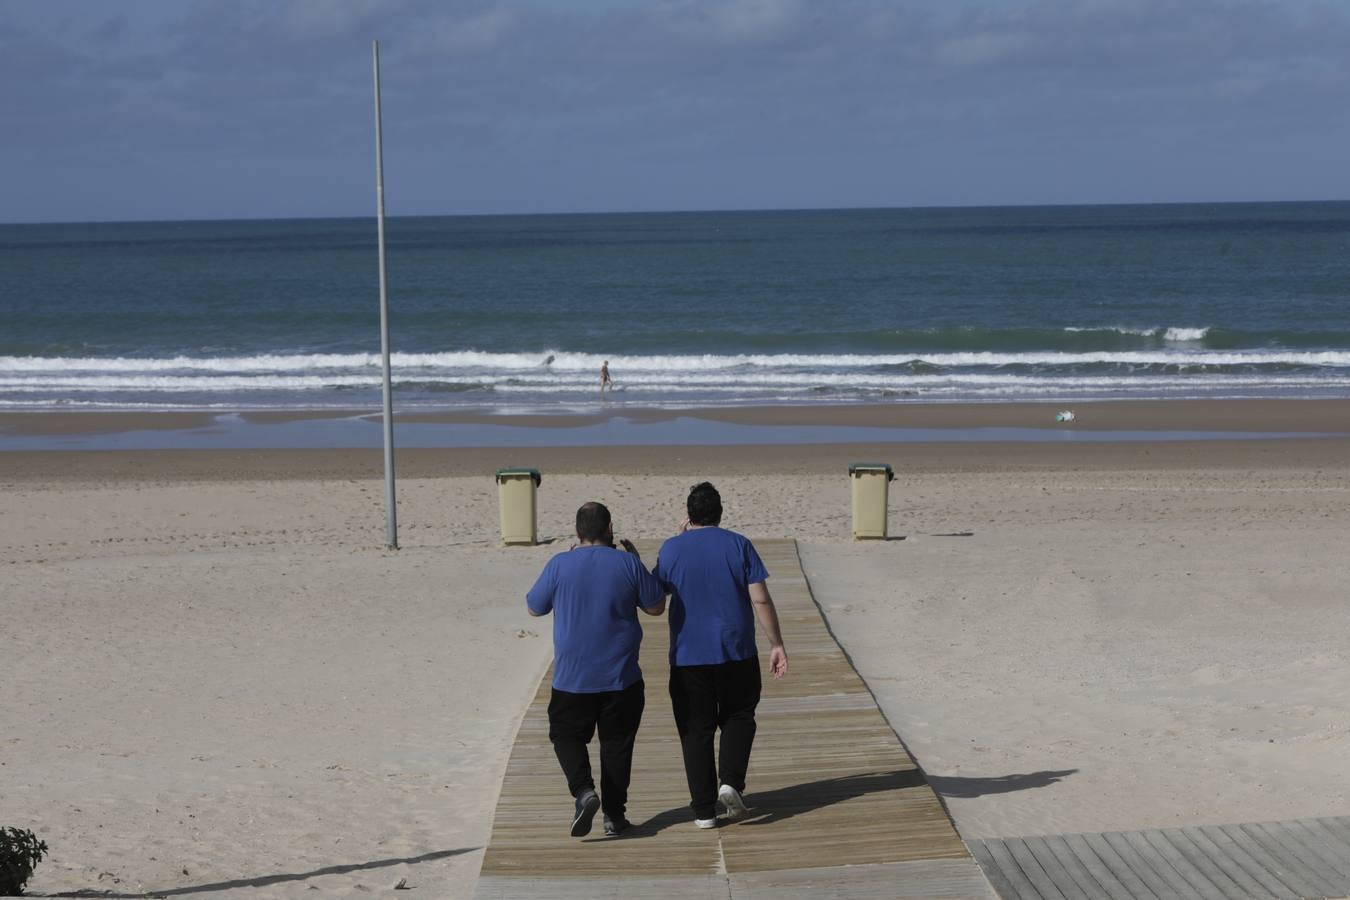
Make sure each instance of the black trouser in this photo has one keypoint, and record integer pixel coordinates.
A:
(573, 718)
(706, 698)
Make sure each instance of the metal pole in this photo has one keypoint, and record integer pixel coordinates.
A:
(390, 514)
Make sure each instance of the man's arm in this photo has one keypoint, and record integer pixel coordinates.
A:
(539, 599)
(764, 609)
(649, 588)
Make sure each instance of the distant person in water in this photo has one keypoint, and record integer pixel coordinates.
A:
(605, 380)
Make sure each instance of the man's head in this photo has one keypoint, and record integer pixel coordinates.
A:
(704, 505)
(593, 523)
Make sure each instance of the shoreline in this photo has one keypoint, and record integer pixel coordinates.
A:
(165, 466)
(1266, 425)
(1239, 414)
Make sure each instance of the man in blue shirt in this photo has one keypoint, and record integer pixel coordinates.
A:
(716, 584)
(594, 591)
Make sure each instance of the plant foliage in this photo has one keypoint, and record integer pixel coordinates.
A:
(20, 852)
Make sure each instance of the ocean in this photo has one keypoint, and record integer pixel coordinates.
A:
(517, 313)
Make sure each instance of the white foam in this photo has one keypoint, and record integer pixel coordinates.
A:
(1114, 329)
(552, 363)
(1185, 334)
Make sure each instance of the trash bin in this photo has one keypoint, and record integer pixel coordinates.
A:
(871, 487)
(515, 492)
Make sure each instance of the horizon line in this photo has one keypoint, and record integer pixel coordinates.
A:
(658, 212)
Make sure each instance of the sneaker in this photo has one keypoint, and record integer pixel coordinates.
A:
(615, 825)
(706, 823)
(731, 799)
(587, 804)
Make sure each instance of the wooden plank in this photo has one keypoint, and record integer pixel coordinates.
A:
(1335, 860)
(1022, 887)
(1279, 837)
(1234, 859)
(1035, 872)
(1230, 885)
(1118, 843)
(943, 878)
(1173, 856)
(1096, 845)
(1149, 855)
(679, 887)
(1002, 883)
(1057, 871)
(1099, 880)
(1339, 848)
(1275, 866)
(1337, 825)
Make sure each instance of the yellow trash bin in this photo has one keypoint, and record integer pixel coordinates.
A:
(871, 487)
(515, 492)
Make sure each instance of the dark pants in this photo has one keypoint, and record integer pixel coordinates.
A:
(706, 698)
(573, 718)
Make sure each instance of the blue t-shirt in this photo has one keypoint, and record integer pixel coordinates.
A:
(708, 572)
(594, 593)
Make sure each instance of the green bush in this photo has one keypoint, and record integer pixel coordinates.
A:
(20, 852)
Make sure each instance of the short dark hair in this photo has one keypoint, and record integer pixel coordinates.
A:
(592, 521)
(704, 505)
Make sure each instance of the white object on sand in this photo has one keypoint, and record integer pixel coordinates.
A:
(1064, 415)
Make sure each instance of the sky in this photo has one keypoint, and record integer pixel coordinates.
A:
(209, 109)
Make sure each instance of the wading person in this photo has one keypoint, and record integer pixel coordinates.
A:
(716, 584)
(594, 591)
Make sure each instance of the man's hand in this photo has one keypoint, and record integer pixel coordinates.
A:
(778, 665)
(684, 526)
(626, 544)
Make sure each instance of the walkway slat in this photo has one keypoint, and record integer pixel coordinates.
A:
(1284, 869)
(1096, 880)
(1159, 885)
(1293, 860)
(1239, 859)
(1054, 867)
(1274, 837)
(1227, 886)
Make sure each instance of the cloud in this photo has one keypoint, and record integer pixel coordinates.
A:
(756, 89)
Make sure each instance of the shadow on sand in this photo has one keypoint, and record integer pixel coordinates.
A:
(266, 880)
(997, 784)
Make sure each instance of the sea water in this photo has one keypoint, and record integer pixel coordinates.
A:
(516, 313)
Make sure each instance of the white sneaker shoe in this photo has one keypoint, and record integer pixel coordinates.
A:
(706, 823)
(731, 799)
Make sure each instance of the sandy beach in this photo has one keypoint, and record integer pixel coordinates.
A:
(218, 681)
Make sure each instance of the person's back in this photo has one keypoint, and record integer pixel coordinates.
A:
(709, 571)
(596, 636)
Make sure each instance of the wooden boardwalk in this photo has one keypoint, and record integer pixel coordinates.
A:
(1303, 858)
(838, 807)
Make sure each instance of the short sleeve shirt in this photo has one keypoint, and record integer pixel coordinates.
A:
(708, 572)
(594, 593)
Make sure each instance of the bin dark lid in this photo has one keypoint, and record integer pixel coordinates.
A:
(854, 468)
(533, 473)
